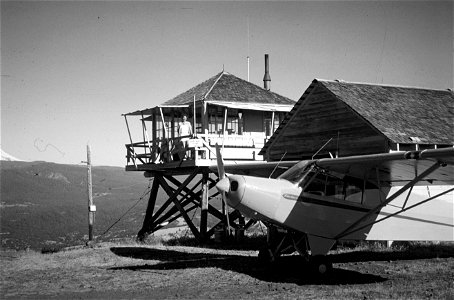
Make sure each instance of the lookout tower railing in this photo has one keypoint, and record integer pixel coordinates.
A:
(201, 148)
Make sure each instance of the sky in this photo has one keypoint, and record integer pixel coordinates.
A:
(70, 69)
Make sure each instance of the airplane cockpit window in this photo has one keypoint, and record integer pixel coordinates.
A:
(334, 187)
(314, 183)
(347, 188)
(296, 173)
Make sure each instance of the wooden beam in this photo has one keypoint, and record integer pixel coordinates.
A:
(211, 209)
(232, 217)
(164, 126)
(172, 125)
(147, 137)
(130, 139)
(182, 205)
(194, 206)
(91, 206)
(194, 119)
(153, 137)
(224, 129)
(189, 198)
(143, 134)
(154, 220)
(249, 224)
(173, 197)
(204, 118)
(147, 224)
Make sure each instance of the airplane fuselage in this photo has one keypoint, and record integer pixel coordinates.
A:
(288, 205)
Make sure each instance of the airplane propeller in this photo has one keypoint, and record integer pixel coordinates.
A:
(223, 185)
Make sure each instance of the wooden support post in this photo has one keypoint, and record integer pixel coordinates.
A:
(204, 205)
(132, 145)
(91, 206)
(143, 133)
(147, 224)
(172, 125)
(224, 129)
(154, 138)
(204, 118)
(249, 224)
(148, 139)
(164, 126)
(240, 123)
(194, 119)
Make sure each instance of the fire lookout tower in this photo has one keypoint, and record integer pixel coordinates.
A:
(235, 114)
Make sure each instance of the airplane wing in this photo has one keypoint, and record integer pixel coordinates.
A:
(259, 168)
(433, 166)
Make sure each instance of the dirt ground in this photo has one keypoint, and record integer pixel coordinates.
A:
(112, 271)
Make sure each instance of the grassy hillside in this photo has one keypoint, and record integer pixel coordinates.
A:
(45, 204)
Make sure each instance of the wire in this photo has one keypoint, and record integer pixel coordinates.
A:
(187, 229)
(146, 192)
(278, 164)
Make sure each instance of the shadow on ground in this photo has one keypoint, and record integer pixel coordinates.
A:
(290, 269)
(408, 253)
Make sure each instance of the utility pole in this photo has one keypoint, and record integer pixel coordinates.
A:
(91, 206)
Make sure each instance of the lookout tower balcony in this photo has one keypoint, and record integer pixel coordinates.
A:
(235, 114)
(241, 134)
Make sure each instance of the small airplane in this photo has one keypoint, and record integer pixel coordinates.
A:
(313, 204)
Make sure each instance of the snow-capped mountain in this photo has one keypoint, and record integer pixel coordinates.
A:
(8, 157)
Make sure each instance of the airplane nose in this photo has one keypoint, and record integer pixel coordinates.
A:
(233, 187)
(223, 185)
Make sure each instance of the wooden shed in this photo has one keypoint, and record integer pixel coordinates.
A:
(337, 118)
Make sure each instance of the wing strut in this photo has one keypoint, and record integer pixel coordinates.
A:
(394, 196)
(396, 213)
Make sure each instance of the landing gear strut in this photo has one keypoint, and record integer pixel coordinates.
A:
(281, 242)
(286, 242)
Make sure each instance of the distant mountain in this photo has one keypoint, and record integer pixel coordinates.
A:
(8, 157)
(45, 204)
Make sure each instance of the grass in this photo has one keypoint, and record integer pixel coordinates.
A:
(256, 239)
(364, 270)
(248, 242)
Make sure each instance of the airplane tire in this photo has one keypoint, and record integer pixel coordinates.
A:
(321, 265)
(266, 256)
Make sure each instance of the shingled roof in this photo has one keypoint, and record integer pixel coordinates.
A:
(229, 88)
(225, 89)
(400, 114)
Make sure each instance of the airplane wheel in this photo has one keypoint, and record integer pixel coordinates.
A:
(321, 265)
(266, 256)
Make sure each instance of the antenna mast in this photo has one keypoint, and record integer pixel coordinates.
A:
(248, 48)
(321, 148)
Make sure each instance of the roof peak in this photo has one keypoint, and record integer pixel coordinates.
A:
(377, 84)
